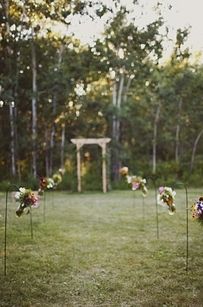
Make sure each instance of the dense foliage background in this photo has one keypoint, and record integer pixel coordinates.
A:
(54, 88)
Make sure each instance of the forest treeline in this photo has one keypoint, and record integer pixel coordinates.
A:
(54, 88)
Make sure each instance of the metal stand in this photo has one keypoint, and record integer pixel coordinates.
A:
(44, 207)
(5, 227)
(156, 204)
(143, 211)
(187, 228)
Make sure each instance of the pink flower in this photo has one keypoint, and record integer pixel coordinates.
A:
(161, 190)
(135, 186)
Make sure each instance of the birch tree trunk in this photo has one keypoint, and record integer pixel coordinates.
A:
(119, 96)
(154, 141)
(63, 135)
(119, 101)
(114, 101)
(34, 109)
(52, 136)
(47, 153)
(54, 107)
(194, 149)
(115, 131)
(18, 170)
(127, 88)
(12, 142)
(177, 139)
(10, 90)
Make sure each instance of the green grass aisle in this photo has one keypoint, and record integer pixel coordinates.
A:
(93, 250)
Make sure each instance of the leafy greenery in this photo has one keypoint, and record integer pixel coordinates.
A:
(97, 250)
(54, 88)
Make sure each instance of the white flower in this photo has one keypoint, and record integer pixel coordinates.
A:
(22, 190)
(50, 184)
(17, 195)
(129, 179)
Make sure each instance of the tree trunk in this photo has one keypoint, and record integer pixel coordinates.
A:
(12, 142)
(154, 141)
(15, 117)
(119, 95)
(52, 142)
(63, 131)
(34, 109)
(127, 88)
(177, 139)
(119, 101)
(54, 107)
(194, 149)
(10, 90)
(47, 153)
(114, 99)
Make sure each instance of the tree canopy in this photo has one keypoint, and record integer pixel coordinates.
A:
(54, 88)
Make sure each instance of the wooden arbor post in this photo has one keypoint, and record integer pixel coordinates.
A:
(102, 143)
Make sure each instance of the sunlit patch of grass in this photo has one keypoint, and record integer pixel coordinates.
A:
(100, 250)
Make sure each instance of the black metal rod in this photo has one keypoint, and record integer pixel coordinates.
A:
(44, 207)
(52, 198)
(31, 224)
(187, 227)
(5, 234)
(5, 228)
(133, 198)
(153, 179)
(157, 213)
(143, 210)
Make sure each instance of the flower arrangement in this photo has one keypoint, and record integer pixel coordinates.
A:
(166, 196)
(50, 183)
(45, 183)
(61, 171)
(57, 178)
(27, 199)
(138, 183)
(197, 210)
(123, 171)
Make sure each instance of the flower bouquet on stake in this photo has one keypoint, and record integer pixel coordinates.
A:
(27, 199)
(138, 183)
(42, 185)
(45, 184)
(57, 178)
(197, 210)
(123, 171)
(50, 183)
(166, 196)
(61, 171)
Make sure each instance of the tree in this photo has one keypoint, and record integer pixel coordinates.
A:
(30, 21)
(125, 51)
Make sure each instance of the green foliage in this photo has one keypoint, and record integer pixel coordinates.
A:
(121, 184)
(92, 180)
(4, 185)
(63, 64)
(169, 172)
(69, 182)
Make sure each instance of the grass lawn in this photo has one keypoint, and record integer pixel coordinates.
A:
(97, 249)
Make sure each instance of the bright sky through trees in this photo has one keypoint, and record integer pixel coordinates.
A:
(176, 13)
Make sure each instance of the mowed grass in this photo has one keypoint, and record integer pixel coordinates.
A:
(95, 249)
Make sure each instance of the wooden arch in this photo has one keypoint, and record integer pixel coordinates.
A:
(102, 143)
